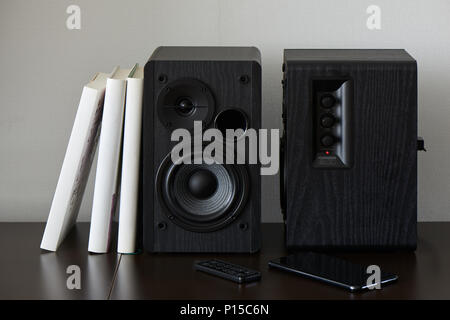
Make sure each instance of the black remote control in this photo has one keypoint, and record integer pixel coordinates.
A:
(228, 271)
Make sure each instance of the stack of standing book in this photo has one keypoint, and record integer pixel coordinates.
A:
(109, 114)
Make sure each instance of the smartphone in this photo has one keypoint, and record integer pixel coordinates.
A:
(329, 269)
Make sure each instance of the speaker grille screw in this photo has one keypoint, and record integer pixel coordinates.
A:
(244, 79)
(243, 226)
(162, 78)
(162, 226)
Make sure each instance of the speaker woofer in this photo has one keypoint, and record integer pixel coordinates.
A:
(202, 197)
(184, 101)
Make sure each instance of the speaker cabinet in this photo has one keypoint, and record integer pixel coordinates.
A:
(349, 149)
(200, 207)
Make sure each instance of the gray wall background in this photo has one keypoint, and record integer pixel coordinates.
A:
(44, 66)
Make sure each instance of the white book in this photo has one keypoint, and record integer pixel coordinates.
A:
(130, 164)
(105, 188)
(76, 165)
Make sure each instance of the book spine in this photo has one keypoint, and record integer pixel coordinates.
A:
(75, 169)
(107, 166)
(130, 167)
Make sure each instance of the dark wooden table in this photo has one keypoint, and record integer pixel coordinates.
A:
(27, 272)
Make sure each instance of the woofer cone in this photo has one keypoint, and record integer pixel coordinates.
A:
(202, 211)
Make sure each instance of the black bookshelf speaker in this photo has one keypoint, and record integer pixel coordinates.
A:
(200, 207)
(349, 149)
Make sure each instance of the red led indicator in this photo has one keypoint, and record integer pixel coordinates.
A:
(327, 152)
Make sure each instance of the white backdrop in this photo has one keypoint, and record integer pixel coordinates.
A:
(44, 66)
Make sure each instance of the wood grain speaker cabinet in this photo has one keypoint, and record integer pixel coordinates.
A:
(200, 207)
(349, 149)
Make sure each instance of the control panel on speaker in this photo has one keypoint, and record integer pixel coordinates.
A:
(332, 104)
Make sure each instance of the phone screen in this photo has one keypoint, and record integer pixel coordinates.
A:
(330, 269)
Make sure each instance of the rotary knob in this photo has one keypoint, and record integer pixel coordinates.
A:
(327, 140)
(327, 120)
(327, 100)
